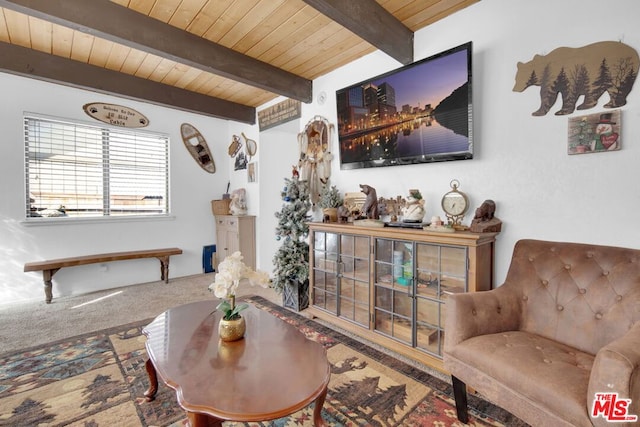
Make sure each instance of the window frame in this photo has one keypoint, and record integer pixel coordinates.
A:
(113, 135)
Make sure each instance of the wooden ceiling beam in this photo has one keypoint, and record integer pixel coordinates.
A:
(108, 20)
(30, 63)
(371, 22)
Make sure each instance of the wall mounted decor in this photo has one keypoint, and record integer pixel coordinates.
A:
(595, 133)
(315, 155)
(235, 146)
(279, 113)
(252, 172)
(197, 147)
(241, 161)
(587, 71)
(116, 115)
(251, 145)
(419, 113)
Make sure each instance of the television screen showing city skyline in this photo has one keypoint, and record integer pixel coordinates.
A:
(419, 113)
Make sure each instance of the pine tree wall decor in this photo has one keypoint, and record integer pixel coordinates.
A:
(586, 73)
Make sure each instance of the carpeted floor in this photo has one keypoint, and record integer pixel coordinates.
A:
(98, 379)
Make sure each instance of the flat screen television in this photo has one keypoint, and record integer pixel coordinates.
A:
(419, 113)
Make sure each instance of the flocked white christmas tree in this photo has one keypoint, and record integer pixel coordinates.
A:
(292, 258)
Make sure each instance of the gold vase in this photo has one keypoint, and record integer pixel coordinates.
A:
(232, 330)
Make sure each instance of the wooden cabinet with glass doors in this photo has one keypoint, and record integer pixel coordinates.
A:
(390, 286)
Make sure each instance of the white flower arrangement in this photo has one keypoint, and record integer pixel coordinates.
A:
(231, 271)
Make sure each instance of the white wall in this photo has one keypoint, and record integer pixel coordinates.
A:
(278, 152)
(520, 161)
(192, 189)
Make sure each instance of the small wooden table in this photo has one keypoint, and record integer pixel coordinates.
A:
(271, 373)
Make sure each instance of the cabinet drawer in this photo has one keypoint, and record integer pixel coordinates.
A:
(227, 222)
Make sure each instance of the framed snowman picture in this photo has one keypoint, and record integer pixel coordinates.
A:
(595, 133)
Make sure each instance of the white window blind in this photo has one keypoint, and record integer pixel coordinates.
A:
(79, 170)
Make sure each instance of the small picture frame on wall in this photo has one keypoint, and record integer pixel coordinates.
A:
(252, 172)
(595, 133)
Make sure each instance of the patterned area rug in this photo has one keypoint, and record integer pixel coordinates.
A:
(99, 379)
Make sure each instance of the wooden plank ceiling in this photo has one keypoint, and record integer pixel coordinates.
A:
(221, 58)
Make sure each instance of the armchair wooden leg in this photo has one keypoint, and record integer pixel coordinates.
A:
(460, 395)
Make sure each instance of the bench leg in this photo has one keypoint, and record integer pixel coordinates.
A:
(460, 395)
(47, 275)
(164, 268)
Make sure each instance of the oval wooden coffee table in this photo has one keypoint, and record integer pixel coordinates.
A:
(271, 373)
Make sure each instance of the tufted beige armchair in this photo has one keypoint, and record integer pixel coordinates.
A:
(563, 327)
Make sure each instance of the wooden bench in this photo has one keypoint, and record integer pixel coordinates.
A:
(50, 267)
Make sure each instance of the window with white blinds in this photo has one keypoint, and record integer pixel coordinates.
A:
(79, 170)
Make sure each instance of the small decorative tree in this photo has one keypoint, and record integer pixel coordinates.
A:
(330, 197)
(292, 258)
(330, 200)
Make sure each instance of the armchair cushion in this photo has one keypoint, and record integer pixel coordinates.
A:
(552, 374)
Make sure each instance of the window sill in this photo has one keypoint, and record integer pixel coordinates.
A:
(35, 222)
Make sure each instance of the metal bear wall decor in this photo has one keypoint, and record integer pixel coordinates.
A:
(586, 72)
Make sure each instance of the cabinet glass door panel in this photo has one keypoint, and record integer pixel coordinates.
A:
(361, 270)
(321, 262)
(320, 241)
(428, 270)
(394, 301)
(384, 322)
(454, 261)
(352, 310)
(355, 268)
(429, 340)
(429, 325)
(430, 312)
(454, 269)
(427, 283)
(383, 274)
(354, 257)
(362, 293)
(440, 269)
(453, 284)
(354, 301)
(325, 301)
(393, 326)
(354, 278)
(330, 303)
(384, 299)
(325, 255)
(325, 271)
(394, 262)
(356, 246)
(325, 288)
(394, 289)
(327, 243)
(341, 275)
(428, 257)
